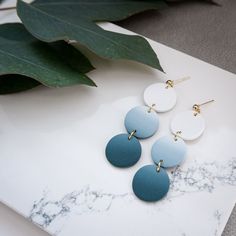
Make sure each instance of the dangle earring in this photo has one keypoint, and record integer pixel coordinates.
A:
(151, 182)
(124, 150)
(190, 123)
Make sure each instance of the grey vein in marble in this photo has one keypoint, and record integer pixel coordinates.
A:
(202, 177)
(195, 178)
(45, 211)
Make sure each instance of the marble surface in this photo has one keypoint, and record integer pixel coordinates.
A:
(196, 178)
(58, 177)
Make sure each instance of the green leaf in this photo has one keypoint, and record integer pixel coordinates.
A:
(72, 57)
(17, 32)
(23, 59)
(53, 20)
(14, 83)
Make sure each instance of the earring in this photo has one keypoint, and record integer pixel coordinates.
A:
(191, 123)
(124, 150)
(151, 182)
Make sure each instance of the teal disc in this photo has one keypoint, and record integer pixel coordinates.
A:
(172, 151)
(149, 184)
(143, 120)
(122, 152)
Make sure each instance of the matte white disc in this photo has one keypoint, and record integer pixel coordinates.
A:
(164, 98)
(191, 126)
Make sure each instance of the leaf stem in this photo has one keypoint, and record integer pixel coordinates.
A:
(7, 8)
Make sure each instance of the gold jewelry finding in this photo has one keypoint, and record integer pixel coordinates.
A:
(177, 135)
(196, 107)
(159, 165)
(132, 134)
(151, 108)
(177, 81)
(171, 83)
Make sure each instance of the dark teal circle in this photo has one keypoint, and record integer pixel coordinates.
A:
(122, 152)
(149, 184)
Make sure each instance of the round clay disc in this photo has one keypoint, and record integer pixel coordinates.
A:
(144, 122)
(191, 126)
(122, 151)
(149, 184)
(163, 97)
(170, 150)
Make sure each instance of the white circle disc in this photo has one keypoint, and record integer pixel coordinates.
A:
(191, 126)
(164, 98)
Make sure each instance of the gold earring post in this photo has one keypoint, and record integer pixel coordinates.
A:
(197, 107)
(204, 103)
(181, 80)
(171, 83)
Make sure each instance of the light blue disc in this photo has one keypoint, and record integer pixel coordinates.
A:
(150, 185)
(122, 152)
(144, 122)
(171, 151)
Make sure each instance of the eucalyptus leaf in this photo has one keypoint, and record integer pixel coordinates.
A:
(54, 20)
(14, 83)
(23, 59)
(17, 32)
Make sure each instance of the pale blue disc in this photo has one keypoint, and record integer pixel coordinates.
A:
(122, 152)
(171, 151)
(150, 185)
(144, 122)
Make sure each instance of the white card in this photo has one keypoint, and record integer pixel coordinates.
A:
(53, 169)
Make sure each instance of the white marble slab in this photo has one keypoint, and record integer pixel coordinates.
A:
(54, 172)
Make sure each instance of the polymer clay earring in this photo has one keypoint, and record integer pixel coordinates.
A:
(151, 182)
(124, 150)
(191, 123)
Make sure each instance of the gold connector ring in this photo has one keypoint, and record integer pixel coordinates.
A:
(132, 134)
(151, 108)
(159, 165)
(177, 135)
